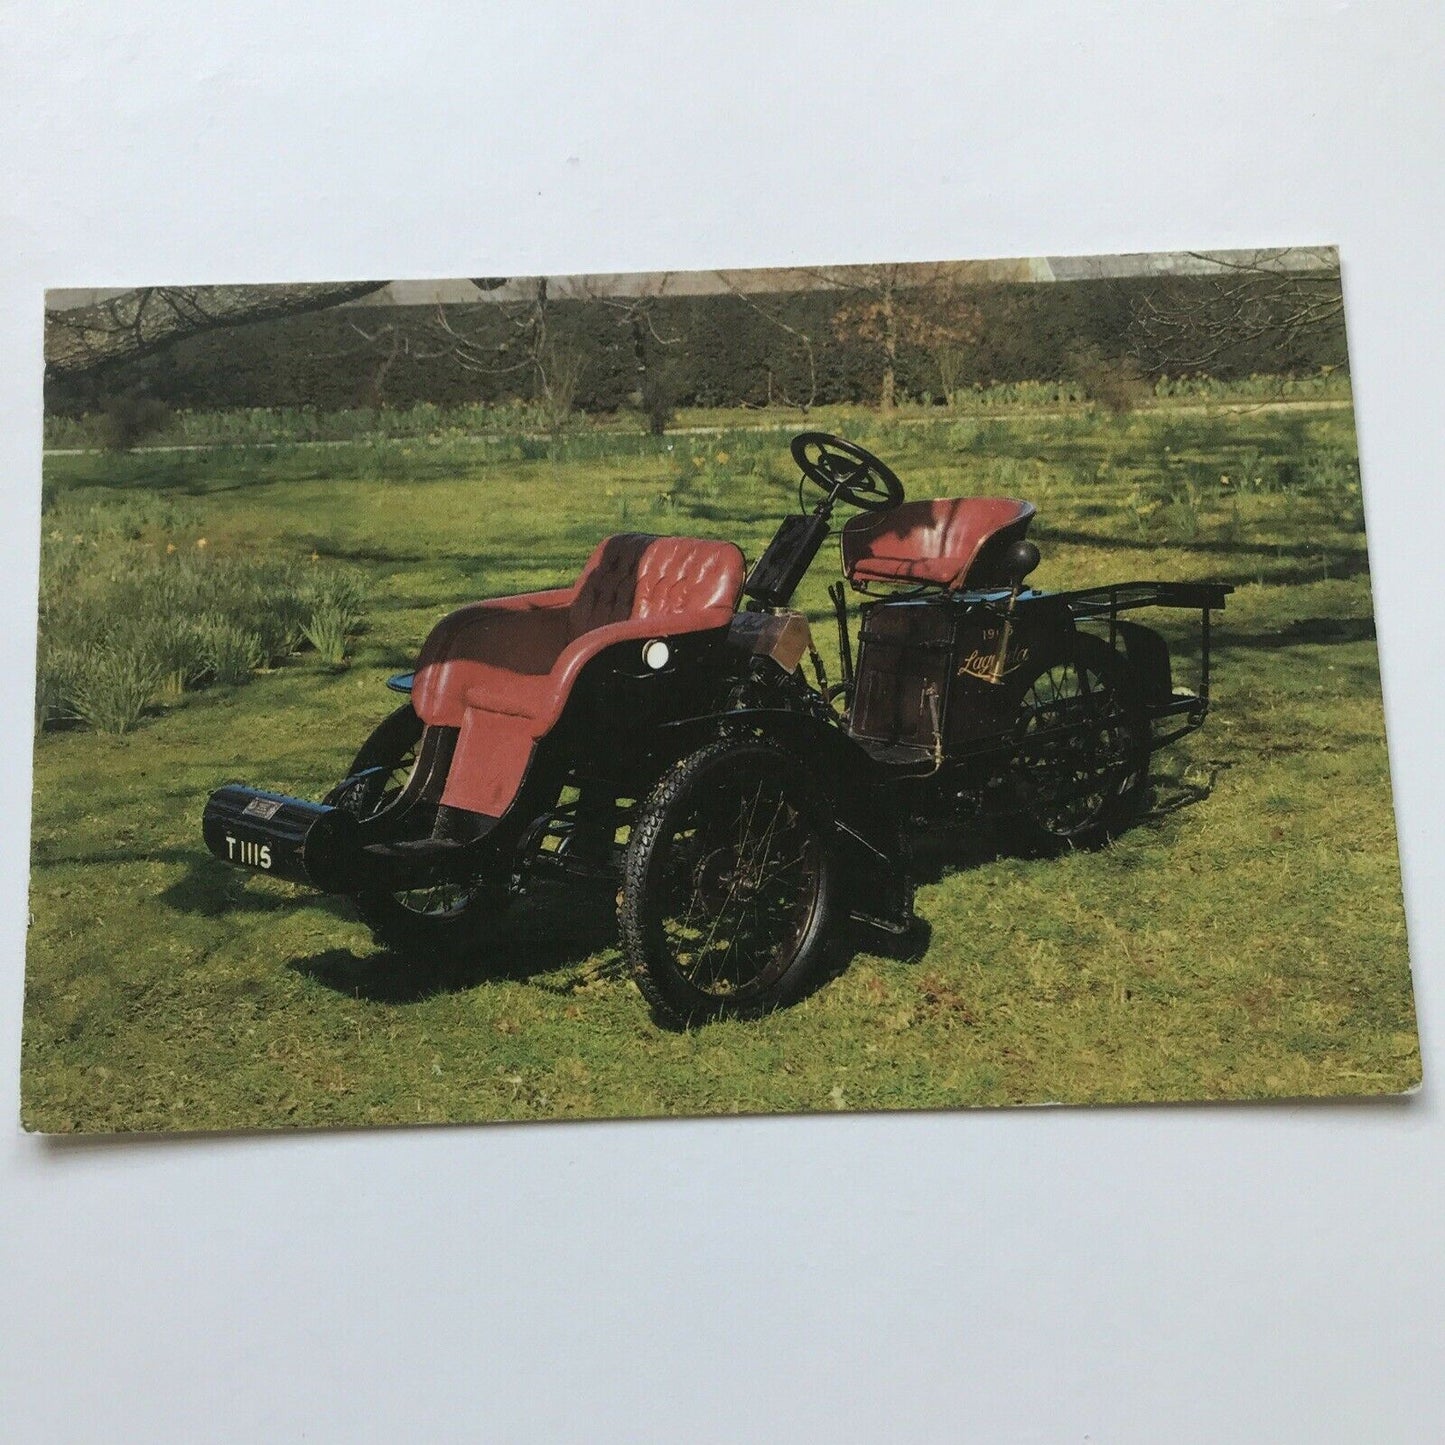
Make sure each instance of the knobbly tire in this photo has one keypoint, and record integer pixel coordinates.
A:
(1081, 766)
(449, 920)
(729, 884)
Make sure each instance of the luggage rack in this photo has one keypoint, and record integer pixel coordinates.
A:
(1117, 597)
(1104, 604)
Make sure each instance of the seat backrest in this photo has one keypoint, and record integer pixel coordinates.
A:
(608, 582)
(947, 542)
(636, 575)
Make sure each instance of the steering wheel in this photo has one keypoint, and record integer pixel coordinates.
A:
(846, 472)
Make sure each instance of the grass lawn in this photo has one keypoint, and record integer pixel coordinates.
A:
(1245, 940)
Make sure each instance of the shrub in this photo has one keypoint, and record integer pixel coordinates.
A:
(113, 687)
(169, 641)
(328, 630)
(231, 653)
(56, 671)
(1113, 382)
(658, 396)
(123, 618)
(126, 421)
(338, 587)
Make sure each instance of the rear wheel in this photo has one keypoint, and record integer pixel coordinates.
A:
(1081, 762)
(727, 896)
(453, 917)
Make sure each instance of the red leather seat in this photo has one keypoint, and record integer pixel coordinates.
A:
(948, 542)
(502, 670)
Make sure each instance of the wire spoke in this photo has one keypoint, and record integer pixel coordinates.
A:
(739, 887)
(1075, 746)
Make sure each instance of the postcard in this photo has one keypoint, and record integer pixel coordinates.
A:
(886, 687)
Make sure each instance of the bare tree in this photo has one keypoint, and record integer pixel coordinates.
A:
(475, 349)
(531, 351)
(517, 341)
(656, 383)
(1285, 300)
(403, 337)
(804, 341)
(636, 313)
(387, 343)
(85, 339)
(900, 305)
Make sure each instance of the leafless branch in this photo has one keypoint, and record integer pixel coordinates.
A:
(802, 338)
(1195, 323)
(136, 323)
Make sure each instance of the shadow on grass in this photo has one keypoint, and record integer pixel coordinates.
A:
(941, 853)
(557, 928)
(1342, 562)
(567, 926)
(211, 889)
(42, 857)
(1321, 631)
(552, 929)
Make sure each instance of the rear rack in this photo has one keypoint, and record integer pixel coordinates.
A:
(1117, 597)
(1104, 604)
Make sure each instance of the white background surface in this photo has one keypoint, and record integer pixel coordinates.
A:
(1180, 1274)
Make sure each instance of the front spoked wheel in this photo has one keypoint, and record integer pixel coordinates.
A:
(727, 895)
(1081, 762)
(451, 918)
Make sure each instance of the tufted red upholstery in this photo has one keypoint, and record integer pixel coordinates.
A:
(604, 591)
(941, 542)
(502, 670)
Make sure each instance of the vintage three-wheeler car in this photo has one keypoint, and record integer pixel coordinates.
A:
(653, 724)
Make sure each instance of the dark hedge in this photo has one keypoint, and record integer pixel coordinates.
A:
(701, 351)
